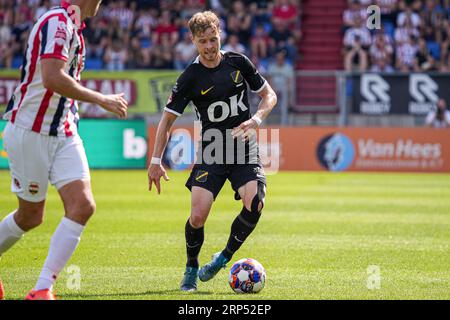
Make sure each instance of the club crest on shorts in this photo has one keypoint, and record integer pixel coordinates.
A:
(33, 188)
(201, 176)
(17, 183)
(237, 76)
(258, 170)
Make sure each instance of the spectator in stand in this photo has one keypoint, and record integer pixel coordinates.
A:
(356, 58)
(281, 38)
(286, 10)
(121, 12)
(6, 44)
(410, 15)
(240, 21)
(138, 57)
(115, 31)
(185, 52)
(232, 26)
(357, 41)
(432, 13)
(388, 9)
(354, 11)
(233, 45)
(406, 54)
(424, 61)
(381, 65)
(20, 32)
(217, 6)
(403, 34)
(381, 53)
(146, 21)
(191, 7)
(166, 29)
(162, 53)
(262, 14)
(96, 36)
(116, 56)
(281, 77)
(260, 42)
(445, 44)
(415, 5)
(25, 10)
(439, 117)
(261, 64)
(43, 8)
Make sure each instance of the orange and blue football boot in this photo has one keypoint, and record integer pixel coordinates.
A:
(2, 291)
(45, 294)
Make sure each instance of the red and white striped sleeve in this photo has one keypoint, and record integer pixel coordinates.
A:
(56, 36)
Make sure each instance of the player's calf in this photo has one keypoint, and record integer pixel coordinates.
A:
(245, 222)
(10, 232)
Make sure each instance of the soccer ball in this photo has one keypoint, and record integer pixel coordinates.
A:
(247, 276)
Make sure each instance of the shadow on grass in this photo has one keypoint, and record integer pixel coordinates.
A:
(172, 292)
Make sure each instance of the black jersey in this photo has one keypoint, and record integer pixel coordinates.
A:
(218, 94)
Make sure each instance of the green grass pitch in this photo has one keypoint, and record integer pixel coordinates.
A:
(318, 235)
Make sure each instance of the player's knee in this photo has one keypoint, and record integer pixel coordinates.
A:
(81, 211)
(255, 204)
(197, 220)
(88, 208)
(29, 219)
(198, 217)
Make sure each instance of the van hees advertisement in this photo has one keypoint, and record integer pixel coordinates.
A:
(365, 149)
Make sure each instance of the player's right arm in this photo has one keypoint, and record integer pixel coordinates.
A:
(57, 80)
(156, 169)
(176, 104)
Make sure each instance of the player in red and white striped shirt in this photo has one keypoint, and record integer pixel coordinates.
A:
(41, 136)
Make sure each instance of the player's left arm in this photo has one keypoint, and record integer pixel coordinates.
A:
(268, 102)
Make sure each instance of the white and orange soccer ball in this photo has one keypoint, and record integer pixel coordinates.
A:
(247, 276)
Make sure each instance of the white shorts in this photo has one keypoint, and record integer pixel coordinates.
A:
(36, 159)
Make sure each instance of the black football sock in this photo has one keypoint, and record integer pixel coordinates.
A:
(194, 242)
(241, 228)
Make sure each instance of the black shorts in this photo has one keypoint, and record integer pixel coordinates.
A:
(212, 177)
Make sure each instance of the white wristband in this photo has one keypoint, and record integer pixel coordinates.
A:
(257, 120)
(155, 161)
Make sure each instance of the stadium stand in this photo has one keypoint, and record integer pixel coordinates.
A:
(147, 34)
(317, 38)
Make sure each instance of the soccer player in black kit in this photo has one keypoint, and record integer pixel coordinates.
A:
(216, 83)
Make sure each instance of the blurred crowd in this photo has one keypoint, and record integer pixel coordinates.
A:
(414, 36)
(153, 34)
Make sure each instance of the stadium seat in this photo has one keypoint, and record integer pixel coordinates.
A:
(389, 28)
(17, 62)
(434, 49)
(93, 64)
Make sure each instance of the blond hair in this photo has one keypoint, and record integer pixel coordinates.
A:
(202, 21)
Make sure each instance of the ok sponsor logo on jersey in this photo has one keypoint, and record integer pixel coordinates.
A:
(227, 109)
